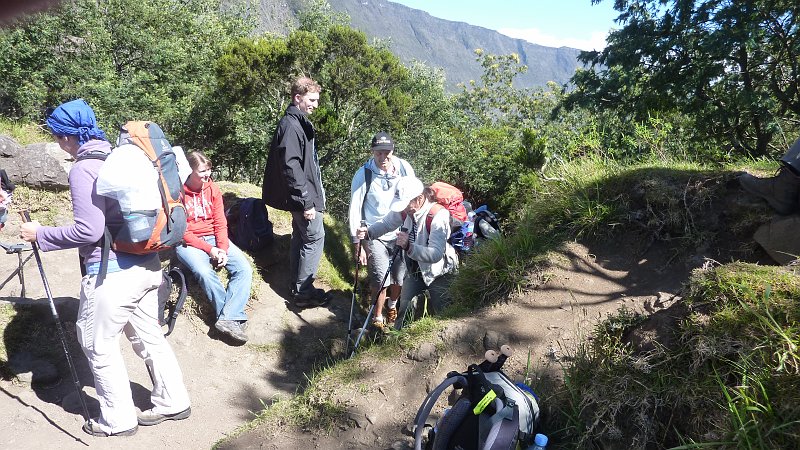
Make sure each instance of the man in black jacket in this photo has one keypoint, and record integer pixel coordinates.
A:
(293, 182)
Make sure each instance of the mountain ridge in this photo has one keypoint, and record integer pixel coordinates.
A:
(413, 34)
(416, 35)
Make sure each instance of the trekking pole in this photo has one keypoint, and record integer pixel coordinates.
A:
(355, 289)
(375, 300)
(26, 218)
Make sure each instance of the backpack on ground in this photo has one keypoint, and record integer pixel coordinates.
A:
(486, 224)
(171, 297)
(162, 223)
(492, 412)
(249, 226)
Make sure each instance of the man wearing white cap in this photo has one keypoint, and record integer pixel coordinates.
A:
(430, 259)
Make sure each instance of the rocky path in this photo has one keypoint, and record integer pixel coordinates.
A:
(226, 383)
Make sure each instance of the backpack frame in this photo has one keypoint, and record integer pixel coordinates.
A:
(169, 223)
(491, 413)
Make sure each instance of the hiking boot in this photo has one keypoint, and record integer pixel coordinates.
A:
(780, 191)
(232, 329)
(379, 322)
(391, 316)
(147, 418)
(311, 298)
(93, 428)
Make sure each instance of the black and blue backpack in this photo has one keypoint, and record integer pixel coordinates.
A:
(492, 412)
(249, 225)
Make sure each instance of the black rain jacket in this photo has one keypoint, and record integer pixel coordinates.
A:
(292, 179)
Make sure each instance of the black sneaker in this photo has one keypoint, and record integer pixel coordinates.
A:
(311, 298)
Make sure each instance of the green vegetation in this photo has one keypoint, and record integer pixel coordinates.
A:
(721, 66)
(724, 373)
(644, 144)
(23, 132)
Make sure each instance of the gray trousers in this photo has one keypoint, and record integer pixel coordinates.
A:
(413, 286)
(305, 250)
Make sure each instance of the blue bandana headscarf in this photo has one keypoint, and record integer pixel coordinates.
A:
(75, 118)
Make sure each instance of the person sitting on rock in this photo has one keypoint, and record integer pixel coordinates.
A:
(207, 249)
(781, 191)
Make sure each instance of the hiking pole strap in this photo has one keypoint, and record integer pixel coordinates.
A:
(27, 218)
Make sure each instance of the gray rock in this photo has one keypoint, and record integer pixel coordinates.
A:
(40, 166)
(492, 340)
(9, 148)
(424, 352)
(358, 418)
(780, 239)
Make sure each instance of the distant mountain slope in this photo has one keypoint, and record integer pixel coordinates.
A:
(415, 34)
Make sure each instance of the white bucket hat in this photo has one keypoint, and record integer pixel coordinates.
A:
(407, 189)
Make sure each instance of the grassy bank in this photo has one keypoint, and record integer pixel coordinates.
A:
(723, 373)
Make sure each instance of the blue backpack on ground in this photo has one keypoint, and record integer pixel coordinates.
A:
(251, 229)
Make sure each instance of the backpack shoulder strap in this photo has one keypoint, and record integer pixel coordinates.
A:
(431, 213)
(368, 181)
(92, 155)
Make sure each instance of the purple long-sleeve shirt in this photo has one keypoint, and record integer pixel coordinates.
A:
(91, 211)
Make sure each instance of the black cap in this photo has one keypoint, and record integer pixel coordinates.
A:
(382, 141)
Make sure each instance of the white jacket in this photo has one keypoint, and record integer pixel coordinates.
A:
(379, 197)
(431, 250)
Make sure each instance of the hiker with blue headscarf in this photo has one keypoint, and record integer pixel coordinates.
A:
(125, 300)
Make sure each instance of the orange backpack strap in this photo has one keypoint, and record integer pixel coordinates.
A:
(137, 129)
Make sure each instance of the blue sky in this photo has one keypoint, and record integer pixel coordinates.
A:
(555, 23)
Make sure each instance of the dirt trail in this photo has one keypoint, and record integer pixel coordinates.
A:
(225, 382)
(584, 284)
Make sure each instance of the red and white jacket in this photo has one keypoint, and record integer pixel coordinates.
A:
(205, 216)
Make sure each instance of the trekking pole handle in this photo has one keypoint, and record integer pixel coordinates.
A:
(397, 248)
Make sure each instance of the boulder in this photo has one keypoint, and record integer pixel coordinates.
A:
(9, 148)
(40, 166)
(780, 239)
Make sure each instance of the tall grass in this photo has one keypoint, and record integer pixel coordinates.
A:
(24, 132)
(589, 197)
(728, 378)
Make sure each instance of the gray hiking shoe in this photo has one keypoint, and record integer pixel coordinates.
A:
(93, 428)
(232, 329)
(780, 191)
(147, 418)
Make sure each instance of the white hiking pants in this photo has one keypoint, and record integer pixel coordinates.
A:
(127, 301)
